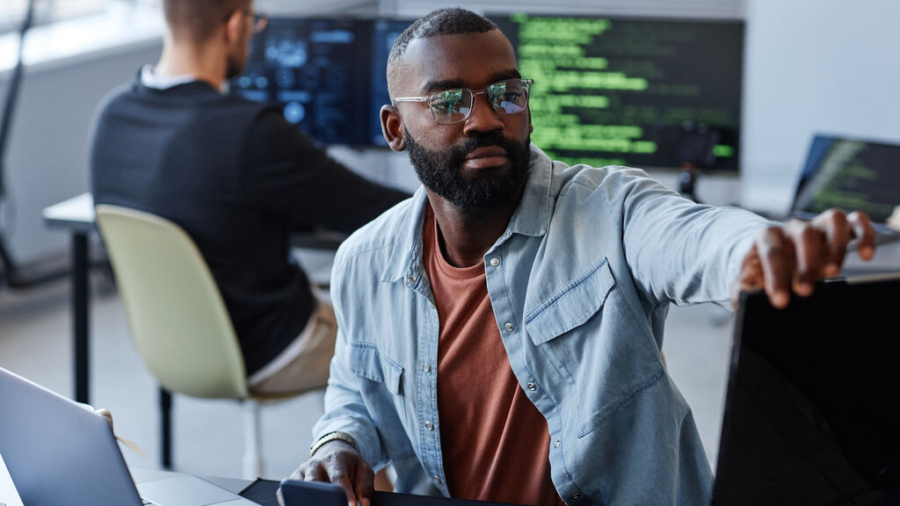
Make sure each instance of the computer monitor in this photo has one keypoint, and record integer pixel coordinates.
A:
(627, 91)
(327, 75)
(850, 174)
(317, 70)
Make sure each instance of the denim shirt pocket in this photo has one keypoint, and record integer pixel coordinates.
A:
(594, 339)
(572, 305)
(367, 362)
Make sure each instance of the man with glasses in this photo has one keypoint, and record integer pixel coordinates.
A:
(239, 179)
(500, 333)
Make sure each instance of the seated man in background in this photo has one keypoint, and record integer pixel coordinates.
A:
(238, 178)
(520, 358)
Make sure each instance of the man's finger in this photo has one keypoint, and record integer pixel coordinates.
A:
(365, 483)
(340, 478)
(775, 254)
(812, 254)
(861, 226)
(837, 229)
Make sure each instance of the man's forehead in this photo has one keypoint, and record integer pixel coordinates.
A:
(470, 59)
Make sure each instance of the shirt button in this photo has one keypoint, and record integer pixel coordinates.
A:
(427, 367)
(411, 279)
(532, 387)
(556, 444)
(429, 425)
(437, 479)
(495, 262)
(509, 327)
(576, 496)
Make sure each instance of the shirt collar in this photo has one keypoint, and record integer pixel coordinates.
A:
(531, 218)
(151, 79)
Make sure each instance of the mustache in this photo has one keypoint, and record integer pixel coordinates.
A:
(457, 154)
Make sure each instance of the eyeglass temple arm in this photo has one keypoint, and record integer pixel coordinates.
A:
(410, 99)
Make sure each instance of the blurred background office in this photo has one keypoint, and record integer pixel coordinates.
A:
(800, 68)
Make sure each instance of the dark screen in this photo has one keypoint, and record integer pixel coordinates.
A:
(318, 71)
(850, 174)
(384, 33)
(645, 93)
(811, 414)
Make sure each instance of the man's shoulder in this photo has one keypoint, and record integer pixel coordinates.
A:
(608, 178)
(380, 235)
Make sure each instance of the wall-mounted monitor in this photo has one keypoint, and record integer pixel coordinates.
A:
(629, 91)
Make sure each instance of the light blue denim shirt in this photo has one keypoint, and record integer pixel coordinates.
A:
(580, 283)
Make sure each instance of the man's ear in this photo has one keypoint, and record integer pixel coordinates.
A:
(235, 25)
(392, 127)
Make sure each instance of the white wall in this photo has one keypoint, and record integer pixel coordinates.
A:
(814, 66)
(47, 157)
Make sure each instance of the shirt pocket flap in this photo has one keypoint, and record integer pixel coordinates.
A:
(367, 362)
(572, 305)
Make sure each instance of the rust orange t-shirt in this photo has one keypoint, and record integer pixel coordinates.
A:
(494, 441)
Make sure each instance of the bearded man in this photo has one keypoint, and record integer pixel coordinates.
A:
(500, 333)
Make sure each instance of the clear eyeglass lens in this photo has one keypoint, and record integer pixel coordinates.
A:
(451, 106)
(508, 97)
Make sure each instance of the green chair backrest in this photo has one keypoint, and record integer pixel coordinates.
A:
(178, 319)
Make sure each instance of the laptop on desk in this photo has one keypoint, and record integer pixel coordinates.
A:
(853, 175)
(59, 453)
(812, 412)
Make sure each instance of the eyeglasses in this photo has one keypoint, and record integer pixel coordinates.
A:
(453, 106)
(260, 21)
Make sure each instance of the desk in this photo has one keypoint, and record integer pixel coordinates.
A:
(76, 215)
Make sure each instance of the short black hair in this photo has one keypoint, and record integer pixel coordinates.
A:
(198, 20)
(451, 21)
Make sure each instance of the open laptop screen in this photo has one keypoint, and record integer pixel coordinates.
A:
(811, 415)
(849, 174)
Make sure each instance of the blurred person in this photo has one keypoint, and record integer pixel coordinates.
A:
(239, 179)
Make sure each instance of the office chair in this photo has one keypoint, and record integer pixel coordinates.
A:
(178, 320)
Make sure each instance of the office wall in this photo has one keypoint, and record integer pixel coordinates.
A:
(814, 66)
(47, 158)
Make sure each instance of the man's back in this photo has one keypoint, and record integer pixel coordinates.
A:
(238, 179)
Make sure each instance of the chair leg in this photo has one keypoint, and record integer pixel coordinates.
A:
(253, 463)
(165, 423)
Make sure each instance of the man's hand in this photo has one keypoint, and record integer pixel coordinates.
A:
(794, 257)
(339, 463)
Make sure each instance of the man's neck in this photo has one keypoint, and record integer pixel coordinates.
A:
(468, 235)
(206, 62)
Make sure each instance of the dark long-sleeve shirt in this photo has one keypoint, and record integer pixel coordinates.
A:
(238, 179)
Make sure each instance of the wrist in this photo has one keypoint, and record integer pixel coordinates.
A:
(331, 437)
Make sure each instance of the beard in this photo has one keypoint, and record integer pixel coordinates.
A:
(440, 172)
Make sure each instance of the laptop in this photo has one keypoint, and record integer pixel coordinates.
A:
(62, 453)
(811, 412)
(854, 175)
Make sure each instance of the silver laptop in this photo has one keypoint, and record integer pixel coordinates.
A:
(854, 175)
(60, 453)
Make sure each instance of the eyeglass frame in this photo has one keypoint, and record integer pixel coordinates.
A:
(427, 98)
(260, 19)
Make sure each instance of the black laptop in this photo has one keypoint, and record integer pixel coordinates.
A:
(811, 414)
(854, 175)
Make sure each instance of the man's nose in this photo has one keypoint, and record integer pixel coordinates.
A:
(483, 118)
